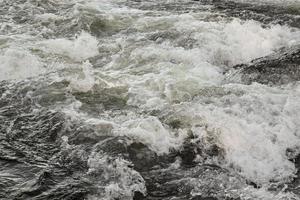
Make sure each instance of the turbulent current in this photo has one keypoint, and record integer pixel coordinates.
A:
(150, 99)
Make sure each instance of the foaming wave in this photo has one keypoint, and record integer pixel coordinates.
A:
(237, 42)
(86, 82)
(168, 73)
(252, 127)
(151, 132)
(255, 128)
(121, 180)
(79, 49)
(284, 2)
(19, 64)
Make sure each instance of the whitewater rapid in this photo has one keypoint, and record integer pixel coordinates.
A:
(117, 82)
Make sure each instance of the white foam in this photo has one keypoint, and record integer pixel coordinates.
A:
(46, 17)
(284, 2)
(264, 194)
(151, 132)
(120, 180)
(238, 41)
(16, 63)
(83, 82)
(176, 81)
(79, 49)
(255, 129)
(173, 74)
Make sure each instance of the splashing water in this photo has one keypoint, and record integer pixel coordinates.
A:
(149, 99)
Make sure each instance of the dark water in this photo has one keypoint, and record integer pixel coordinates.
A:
(171, 100)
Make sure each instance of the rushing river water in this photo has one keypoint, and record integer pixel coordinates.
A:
(149, 99)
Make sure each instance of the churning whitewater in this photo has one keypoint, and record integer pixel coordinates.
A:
(148, 99)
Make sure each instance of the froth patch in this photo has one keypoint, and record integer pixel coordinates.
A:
(85, 82)
(151, 132)
(237, 41)
(120, 180)
(19, 64)
(255, 130)
(79, 49)
(284, 2)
